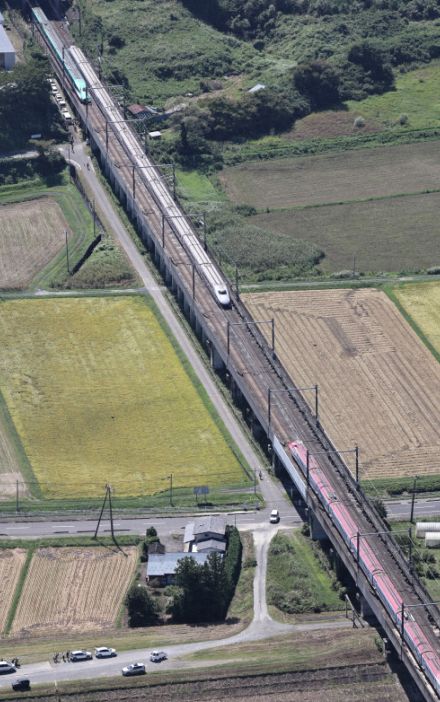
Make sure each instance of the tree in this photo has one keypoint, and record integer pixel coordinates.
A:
(202, 590)
(142, 609)
(319, 82)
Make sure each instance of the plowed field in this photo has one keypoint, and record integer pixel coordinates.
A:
(11, 562)
(74, 589)
(379, 385)
(31, 234)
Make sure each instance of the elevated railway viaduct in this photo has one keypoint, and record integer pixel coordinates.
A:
(239, 351)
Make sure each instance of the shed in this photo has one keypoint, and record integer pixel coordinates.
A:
(161, 567)
(432, 539)
(211, 546)
(256, 88)
(154, 135)
(210, 527)
(423, 527)
(7, 51)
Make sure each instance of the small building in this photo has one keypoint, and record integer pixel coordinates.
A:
(204, 529)
(142, 111)
(154, 135)
(156, 547)
(256, 88)
(161, 567)
(7, 51)
(210, 546)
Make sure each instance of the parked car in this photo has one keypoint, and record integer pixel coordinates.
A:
(158, 656)
(80, 656)
(134, 669)
(105, 652)
(6, 667)
(274, 516)
(21, 684)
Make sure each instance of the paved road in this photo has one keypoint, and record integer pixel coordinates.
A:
(21, 527)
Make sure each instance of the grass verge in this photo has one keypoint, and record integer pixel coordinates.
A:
(242, 604)
(299, 578)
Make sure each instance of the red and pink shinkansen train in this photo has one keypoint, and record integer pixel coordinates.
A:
(416, 640)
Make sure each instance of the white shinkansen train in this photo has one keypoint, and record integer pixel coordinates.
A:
(150, 174)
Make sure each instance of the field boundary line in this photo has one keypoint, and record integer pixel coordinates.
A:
(19, 588)
(339, 203)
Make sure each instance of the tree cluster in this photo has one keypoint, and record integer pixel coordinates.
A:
(142, 609)
(203, 592)
(25, 104)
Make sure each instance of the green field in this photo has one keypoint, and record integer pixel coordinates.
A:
(396, 234)
(373, 208)
(297, 582)
(422, 303)
(98, 395)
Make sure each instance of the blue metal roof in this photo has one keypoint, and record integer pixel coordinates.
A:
(5, 43)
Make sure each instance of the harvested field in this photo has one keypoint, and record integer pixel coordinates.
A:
(75, 589)
(31, 234)
(395, 234)
(336, 177)
(422, 303)
(11, 563)
(379, 385)
(98, 394)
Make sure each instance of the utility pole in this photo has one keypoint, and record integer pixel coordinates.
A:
(171, 489)
(413, 498)
(67, 251)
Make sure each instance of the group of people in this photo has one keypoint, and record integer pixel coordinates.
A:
(58, 657)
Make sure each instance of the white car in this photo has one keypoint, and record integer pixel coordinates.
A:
(6, 667)
(105, 652)
(274, 516)
(80, 656)
(134, 669)
(158, 656)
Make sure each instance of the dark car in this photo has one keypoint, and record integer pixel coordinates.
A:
(6, 667)
(21, 684)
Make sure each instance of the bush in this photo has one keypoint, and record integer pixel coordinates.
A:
(232, 562)
(142, 609)
(359, 122)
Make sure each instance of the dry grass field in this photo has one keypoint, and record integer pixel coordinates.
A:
(31, 234)
(379, 385)
(98, 394)
(11, 562)
(335, 177)
(74, 589)
(395, 234)
(422, 303)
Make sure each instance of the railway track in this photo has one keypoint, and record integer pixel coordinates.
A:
(244, 348)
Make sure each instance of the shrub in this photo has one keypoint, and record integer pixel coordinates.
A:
(142, 609)
(403, 119)
(359, 122)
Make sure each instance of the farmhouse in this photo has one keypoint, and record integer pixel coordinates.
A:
(7, 51)
(206, 534)
(161, 567)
